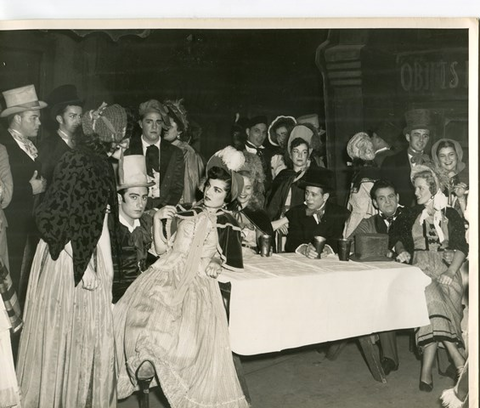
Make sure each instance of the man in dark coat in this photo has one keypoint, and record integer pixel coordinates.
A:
(23, 116)
(397, 168)
(165, 163)
(385, 199)
(317, 217)
(256, 134)
(66, 109)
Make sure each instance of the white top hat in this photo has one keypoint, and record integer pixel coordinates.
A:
(20, 100)
(132, 172)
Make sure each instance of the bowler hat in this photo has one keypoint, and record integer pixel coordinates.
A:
(317, 177)
(418, 119)
(21, 100)
(62, 96)
(132, 172)
(371, 248)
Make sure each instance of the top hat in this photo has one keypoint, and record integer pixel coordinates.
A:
(371, 248)
(317, 177)
(418, 119)
(132, 172)
(63, 96)
(21, 100)
(388, 131)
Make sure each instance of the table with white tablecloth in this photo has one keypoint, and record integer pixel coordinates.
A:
(287, 301)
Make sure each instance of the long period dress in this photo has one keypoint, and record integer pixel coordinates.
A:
(67, 352)
(443, 301)
(173, 316)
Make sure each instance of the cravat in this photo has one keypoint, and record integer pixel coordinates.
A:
(259, 151)
(418, 158)
(25, 141)
(152, 160)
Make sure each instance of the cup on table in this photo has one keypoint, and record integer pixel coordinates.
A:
(265, 245)
(344, 249)
(319, 243)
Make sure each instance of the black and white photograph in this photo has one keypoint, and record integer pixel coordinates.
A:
(228, 214)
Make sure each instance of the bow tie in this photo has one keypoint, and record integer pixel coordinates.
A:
(390, 218)
(257, 149)
(418, 158)
(319, 213)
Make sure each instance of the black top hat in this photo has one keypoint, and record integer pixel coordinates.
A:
(388, 131)
(371, 248)
(63, 96)
(418, 119)
(317, 177)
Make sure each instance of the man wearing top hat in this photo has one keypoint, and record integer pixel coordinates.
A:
(132, 250)
(23, 122)
(164, 161)
(397, 168)
(66, 109)
(316, 217)
(256, 134)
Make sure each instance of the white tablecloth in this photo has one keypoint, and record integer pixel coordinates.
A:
(289, 301)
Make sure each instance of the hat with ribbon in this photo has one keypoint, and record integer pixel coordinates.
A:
(371, 248)
(63, 96)
(109, 122)
(418, 119)
(20, 100)
(231, 160)
(356, 147)
(132, 172)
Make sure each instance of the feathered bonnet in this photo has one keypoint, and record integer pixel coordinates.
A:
(177, 112)
(231, 160)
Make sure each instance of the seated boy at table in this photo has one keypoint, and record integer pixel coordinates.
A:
(385, 200)
(317, 216)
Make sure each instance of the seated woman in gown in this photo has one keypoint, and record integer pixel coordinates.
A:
(171, 322)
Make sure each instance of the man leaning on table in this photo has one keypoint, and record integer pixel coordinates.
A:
(385, 200)
(317, 216)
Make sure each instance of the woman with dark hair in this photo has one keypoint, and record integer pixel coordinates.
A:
(171, 323)
(278, 133)
(67, 350)
(285, 192)
(426, 235)
(194, 166)
(447, 154)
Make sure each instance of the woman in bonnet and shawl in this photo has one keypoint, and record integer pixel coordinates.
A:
(447, 155)
(365, 173)
(171, 323)
(67, 350)
(425, 235)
